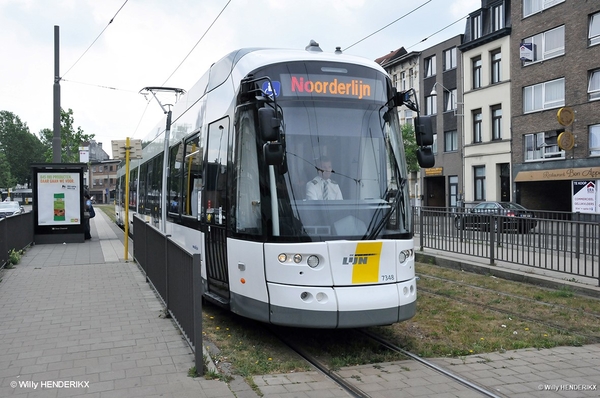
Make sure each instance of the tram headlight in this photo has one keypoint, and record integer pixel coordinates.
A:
(404, 255)
(282, 258)
(297, 258)
(313, 261)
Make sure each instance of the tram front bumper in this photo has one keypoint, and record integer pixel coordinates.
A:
(342, 307)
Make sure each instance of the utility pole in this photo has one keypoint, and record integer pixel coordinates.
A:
(56, 140)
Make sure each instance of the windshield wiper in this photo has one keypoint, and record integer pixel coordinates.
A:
(399, 194)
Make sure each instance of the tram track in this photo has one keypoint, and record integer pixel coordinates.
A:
(355, 391)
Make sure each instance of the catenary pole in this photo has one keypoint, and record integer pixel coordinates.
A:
(56, 140)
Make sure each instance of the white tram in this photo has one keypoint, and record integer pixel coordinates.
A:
(245, 144)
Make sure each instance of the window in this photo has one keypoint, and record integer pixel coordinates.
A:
(496, 66)
(547, 44)
(479, 182)
(476, 26)
(408, 116)
(497, 17)
(450, 59)
(533, 6)
(594, 85)
(411, 78)
(453, 190)
(594, 33)
(594, 139)
(496, 122)
(542, 146)
(477, 118)
(434, 146)
(430, 105)
(544, 95)
(449, 100)
(430, 66)
(476, 62)
(403, 80)
(192, 175)
(395, 80)
(450, 141)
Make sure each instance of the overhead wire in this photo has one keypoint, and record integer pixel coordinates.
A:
(435, 33)
(96, 39)
(99, 86)
(195, 45)
(391, 23)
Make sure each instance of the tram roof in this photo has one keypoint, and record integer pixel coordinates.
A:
(256, 57)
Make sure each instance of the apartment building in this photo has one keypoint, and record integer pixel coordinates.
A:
(555, 108)
(486, 107)
(441, 84)
(403, 68)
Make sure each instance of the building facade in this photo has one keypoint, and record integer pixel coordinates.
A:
(103, 179)
(403, 68)
(486, 110)
(555, 93)
(441, 84)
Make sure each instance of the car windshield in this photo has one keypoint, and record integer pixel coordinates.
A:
(9, 206)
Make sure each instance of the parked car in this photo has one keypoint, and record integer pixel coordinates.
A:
(8, 209)
(511, 216)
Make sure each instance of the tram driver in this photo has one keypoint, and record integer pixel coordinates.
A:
(322, 187)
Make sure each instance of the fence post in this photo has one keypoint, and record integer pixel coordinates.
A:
(166, 238)
(493, 232)
(421, 216)
(197, 297)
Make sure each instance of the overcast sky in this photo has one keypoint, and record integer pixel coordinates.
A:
(148, 40)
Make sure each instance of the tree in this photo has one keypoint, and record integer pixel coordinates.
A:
(6, 180)
(19, 148)
(70, 139)
(410, 147)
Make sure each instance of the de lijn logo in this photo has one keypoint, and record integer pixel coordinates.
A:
(356, 258)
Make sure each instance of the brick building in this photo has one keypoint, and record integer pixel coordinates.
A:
(555, 66)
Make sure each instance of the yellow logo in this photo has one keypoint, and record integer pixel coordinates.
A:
(366, 262)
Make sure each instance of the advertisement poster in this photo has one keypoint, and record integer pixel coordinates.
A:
(59, 200)
(584, 196)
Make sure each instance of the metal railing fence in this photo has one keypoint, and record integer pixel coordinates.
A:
(16, 232)
(562, 242)
(175, 275)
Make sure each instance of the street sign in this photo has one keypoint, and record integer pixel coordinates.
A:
(119, 147)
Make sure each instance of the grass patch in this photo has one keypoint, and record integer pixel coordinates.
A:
(462, 314)
(109, 210)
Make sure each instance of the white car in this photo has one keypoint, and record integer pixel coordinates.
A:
(8, 209)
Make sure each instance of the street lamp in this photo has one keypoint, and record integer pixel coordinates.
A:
(453, 100)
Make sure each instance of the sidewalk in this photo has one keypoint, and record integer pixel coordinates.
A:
(80, 313)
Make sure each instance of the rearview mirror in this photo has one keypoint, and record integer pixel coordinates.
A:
(423, 131)
(268, 123)
(425, 157)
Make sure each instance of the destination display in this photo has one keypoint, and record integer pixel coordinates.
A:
(297, 85)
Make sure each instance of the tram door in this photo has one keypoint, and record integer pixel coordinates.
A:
(215, 205)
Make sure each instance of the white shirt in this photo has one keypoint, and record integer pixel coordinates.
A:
(314, 189)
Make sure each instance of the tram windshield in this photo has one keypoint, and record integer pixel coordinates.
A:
(345, 171)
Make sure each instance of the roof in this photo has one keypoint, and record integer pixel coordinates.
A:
(393, 55)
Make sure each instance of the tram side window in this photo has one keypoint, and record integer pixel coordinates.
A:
(192, 176)
(215, 173)
(133, 185)
(247, 206)
(142, 188)
(175, 167)
(155, 186)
